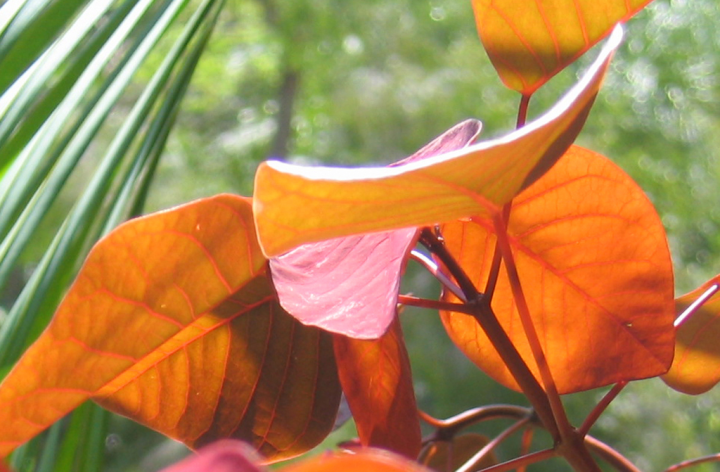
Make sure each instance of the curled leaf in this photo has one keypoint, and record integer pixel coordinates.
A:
(350, 285)
(296, 205)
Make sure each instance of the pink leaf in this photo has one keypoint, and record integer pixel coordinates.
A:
(350, 285)
(222, 456)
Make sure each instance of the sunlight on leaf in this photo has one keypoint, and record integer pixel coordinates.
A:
(152, 328)
(696, 367)
(296, 205)
(530, 42)
(376, 378)
(595, 266)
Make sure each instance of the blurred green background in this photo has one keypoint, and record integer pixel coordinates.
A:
(315, 81)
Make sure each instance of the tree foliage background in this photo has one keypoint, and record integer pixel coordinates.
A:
(354, 82)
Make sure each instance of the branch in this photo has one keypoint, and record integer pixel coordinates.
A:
(692, 462)
(479, 456)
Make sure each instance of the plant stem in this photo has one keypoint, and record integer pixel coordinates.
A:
(522, 111)
(433, 304)
(482, 312)
(522, 461)
(526, 444)
(693, 462)
(497, 259)
(610, 455)
(570, 445)
(600, 407)
(435, 246)
(479, 456)
(448, 428)
(431, 267)
(529, 327)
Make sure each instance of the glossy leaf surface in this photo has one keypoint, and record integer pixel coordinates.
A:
(530, 42)
(295, 205)
(173, 322)
(696, 366)
(595, 268)
(363, 460)
(377, 381)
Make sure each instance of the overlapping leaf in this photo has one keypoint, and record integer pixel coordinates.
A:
(173, 321)
(530, 42)
(696, 366)
(596, 272)
(350, 285)
(294, 205)
(376, 378)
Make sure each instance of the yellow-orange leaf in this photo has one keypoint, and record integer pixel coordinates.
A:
(363, 460)
(530, 41)
(173, 322)
(696, 367)
(596, 272)
(295, 205)
(376, 378)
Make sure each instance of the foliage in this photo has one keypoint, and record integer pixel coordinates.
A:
(244, 318)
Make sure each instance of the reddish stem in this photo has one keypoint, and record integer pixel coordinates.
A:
(471, 464)
(523, 110)
(526, 444)
(610, 455)
(487, 320)
(433, 304)
(522, 461)
(529, 328)
(600, 407)
(693, 462)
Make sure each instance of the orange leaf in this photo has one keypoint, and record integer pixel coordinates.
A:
(696, 367)
(376, 378)
(363, 460)
(596, 272)
(295, 205)
(173, 322)
(530, 42)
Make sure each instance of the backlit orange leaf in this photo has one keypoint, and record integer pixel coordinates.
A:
(363, 460)
(696, 367)
(173, 321)
(530, 41)
(594, 263)
(376, 378)
(295, 205)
